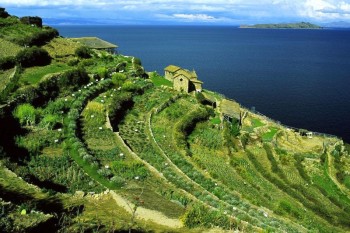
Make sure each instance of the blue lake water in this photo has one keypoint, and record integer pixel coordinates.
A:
(298, 77)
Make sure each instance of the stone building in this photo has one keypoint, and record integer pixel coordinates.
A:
(182, 79)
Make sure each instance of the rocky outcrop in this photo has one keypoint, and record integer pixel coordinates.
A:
(37, 21)
(3, 13)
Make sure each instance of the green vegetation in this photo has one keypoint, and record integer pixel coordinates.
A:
(33, 56)
(8, 48)
(83, 52)
(159, 80)
(302, 25)
(5, 78)
(33, 75)
(268, 136)
(90, 142)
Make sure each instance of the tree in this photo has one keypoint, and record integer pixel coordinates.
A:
(83, 52)
(25, 113)
(118, 79)
(33, 56)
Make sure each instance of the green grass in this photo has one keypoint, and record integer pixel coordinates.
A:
(8, 48)
(257, 123)
(269, 135)
(215, 121)
(92, 172)
(15, 30)
(33, 75)
(160, 81)
(61, 47)
(5, 78)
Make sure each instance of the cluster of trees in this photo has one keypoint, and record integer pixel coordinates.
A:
(28, 57)
(54, 86)
(33, 56)
(38, 38)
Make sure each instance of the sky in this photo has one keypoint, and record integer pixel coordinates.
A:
(208, 12)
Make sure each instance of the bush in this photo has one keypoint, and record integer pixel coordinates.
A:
(137, 61)
(74, 78)
(38, 39)
(25, 113)
(83, 52)
(33, 56)
(118, 79)
(73, 62)
(200, 216)
(7, 63)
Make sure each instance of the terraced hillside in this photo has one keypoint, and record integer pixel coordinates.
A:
(92, 144)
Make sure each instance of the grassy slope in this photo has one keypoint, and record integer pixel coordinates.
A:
(33, 75)
(61, 48)
(16, 30)
(5, 78)
(8, 48)
(267, 175)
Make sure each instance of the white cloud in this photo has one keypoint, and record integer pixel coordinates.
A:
(199, 10)
(194, 17)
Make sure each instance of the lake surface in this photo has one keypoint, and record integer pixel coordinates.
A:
(298, 77)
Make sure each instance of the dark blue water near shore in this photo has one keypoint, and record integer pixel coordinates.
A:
(298, 77)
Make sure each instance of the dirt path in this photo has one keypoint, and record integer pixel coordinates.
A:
(126, 149)
(146, 214)
(141, 213)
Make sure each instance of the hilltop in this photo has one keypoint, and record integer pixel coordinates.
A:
(90, 141)
(301, 25)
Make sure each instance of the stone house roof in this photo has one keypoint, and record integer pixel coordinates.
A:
(191, 75)
(172, 68)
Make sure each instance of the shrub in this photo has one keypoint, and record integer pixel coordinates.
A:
(87, 62)
(25, 113)
(7, 63)
(74, 78)
(121, 66)
(137, 61)
(200, 216)
(118, 79)
(83, 52)
(39, 38)
(33, 56)
(73, 62)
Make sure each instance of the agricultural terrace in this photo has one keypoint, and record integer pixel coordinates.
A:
(91, 142)
(8, 48)
(5, 78)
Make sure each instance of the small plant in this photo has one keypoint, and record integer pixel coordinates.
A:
(26, 114)
(83, 52)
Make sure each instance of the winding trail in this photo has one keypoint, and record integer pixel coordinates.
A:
(146, 214)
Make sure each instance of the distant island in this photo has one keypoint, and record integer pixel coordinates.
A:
(302, 25)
